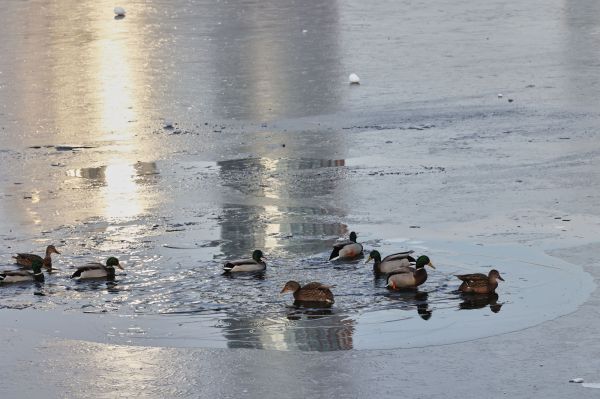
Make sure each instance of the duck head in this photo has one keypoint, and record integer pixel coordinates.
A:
(423, 261)
(375, 256)
(257, 255)
(494, 275)
(112, 262)
(51, 249)
(290, 286)
(353, 236)
(36, 265)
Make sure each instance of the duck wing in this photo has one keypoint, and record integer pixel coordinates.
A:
(15, 276)
(317, 293)
(87, 267)
(338, 247)
(15, 273)
(473, 277)
(27, 259)
(388, 266)
(400, 255)
(316, 286)
(244, 265)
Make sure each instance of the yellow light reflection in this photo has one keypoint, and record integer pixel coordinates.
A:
(272, 230)
(114, 85)
(121, 191)
(270, 184)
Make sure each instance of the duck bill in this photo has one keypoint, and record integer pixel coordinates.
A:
(56, 251)
(284, 290)
(120, 267)
(500, 278)
(431, 265)
(368, 259)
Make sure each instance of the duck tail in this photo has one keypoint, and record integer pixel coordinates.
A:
(335, 253)
(227, 267)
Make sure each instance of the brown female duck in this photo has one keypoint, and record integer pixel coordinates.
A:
(311, 292)
(410, 277)
(26, 260)
(478, 283)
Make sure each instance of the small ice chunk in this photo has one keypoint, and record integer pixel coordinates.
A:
(304, 31)
(119, 11)
(576, 380)
(500, 95)
(354, 79)
(168, 123)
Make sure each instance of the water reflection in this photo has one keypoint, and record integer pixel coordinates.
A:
(303, 329)
(119, 184)
(268, 62)
(410, 299)
(480, 301)
(270, 225)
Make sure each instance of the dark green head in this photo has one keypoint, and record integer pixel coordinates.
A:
(257, 255)
(423, 261)
(353, 236)
(36, 265)
(112, 262)
(375, 255)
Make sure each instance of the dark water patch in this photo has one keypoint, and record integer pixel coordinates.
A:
(188, 301)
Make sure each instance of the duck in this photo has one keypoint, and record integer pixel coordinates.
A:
(19, 276)
(346, 250)
(410, 277)
(256, 264)
(391, 262)
(98, 270)
(479, 283)
(26, 260)
(312, 292)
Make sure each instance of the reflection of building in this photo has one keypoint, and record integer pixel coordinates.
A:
(311, 331)
(247, 227)
(277, 60)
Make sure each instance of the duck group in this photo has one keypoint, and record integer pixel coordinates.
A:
(402, 271)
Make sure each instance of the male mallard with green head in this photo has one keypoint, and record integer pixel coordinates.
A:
(478, 283)
(98, 270)
(347, 250)
(26, 260)
(391, 262)
(19, 276)
(410, 277)
(256, 264)
(311, 292)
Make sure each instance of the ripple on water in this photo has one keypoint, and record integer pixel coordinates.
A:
(199, 306)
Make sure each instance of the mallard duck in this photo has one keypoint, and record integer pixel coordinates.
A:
(347, 249)
(98, 270)
(311, 292)
(391, 262)
(18, 276)
(26, 260)
(409, 277)
(256, 264)
(479, 283)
